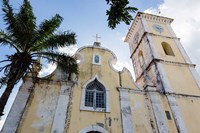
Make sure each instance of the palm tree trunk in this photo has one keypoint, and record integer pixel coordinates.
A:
(6, 94)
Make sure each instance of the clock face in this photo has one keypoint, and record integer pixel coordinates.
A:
(158, 28)
(136, 37)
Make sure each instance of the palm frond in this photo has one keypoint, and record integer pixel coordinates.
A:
(119, 12)
(10, 20)
(3, 81)
(27, 25)
(8, 16)
(48, 27)
(56, 41)
(6, 40)
(65, 62)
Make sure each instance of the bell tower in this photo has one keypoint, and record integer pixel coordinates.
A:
(161, 65)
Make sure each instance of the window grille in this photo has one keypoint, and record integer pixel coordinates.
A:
(95, 95)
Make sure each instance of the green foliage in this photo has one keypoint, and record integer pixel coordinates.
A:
(119, 12)
(31, 42)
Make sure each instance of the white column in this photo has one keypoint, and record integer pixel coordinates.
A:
(14, 117)
(58, 125)
(172, 101)
(158, 111)
(127, 123)
(176, 114)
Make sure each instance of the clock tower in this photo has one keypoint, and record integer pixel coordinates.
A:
(165, 72)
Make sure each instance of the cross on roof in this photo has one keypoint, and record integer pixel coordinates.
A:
(97, 37)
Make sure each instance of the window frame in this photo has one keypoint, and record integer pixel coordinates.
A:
(106, 98)
(99, 59)
(167, 49)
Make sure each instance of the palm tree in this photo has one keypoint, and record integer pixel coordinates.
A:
(30, 42)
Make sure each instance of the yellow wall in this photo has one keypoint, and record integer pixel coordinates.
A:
(141, 114)
(110, 78)
(166, 31)
(181, 79)
(189, 108)
(39, 113)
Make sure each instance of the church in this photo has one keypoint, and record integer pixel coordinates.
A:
(165, 96)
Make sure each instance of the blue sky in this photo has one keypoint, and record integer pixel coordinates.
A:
(87, 18)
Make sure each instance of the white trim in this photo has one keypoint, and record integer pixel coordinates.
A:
(80, 49)
(83, 107)
(93, 128)
(16, 112)
(127, 122)
(58, 125)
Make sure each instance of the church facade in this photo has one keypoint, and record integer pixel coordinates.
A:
(164, 98)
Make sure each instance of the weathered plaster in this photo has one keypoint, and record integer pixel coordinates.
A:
(176, 114)
(158, 112)
(18, 107)
(127, 123)
(61, 108)
(172, 101)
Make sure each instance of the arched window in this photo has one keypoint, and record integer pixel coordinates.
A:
(95, 95)
(141, 59)
(167, 49)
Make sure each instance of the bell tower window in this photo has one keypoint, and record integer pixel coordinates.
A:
(141, 59)
(167, 49)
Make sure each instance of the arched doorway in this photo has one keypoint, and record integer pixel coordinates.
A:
(93, 129)
(93, 132)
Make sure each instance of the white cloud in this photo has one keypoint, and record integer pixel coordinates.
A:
(47, 69)
(123, 38)
(186, 24)
(70, 50)
(120, 65)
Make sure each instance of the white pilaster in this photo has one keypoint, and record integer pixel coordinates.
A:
(127, 123)
(172, 101)
(176, 114)
(160, 117)
(14, 117)
(61, 109)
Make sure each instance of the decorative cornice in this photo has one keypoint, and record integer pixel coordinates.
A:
(146, 16)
